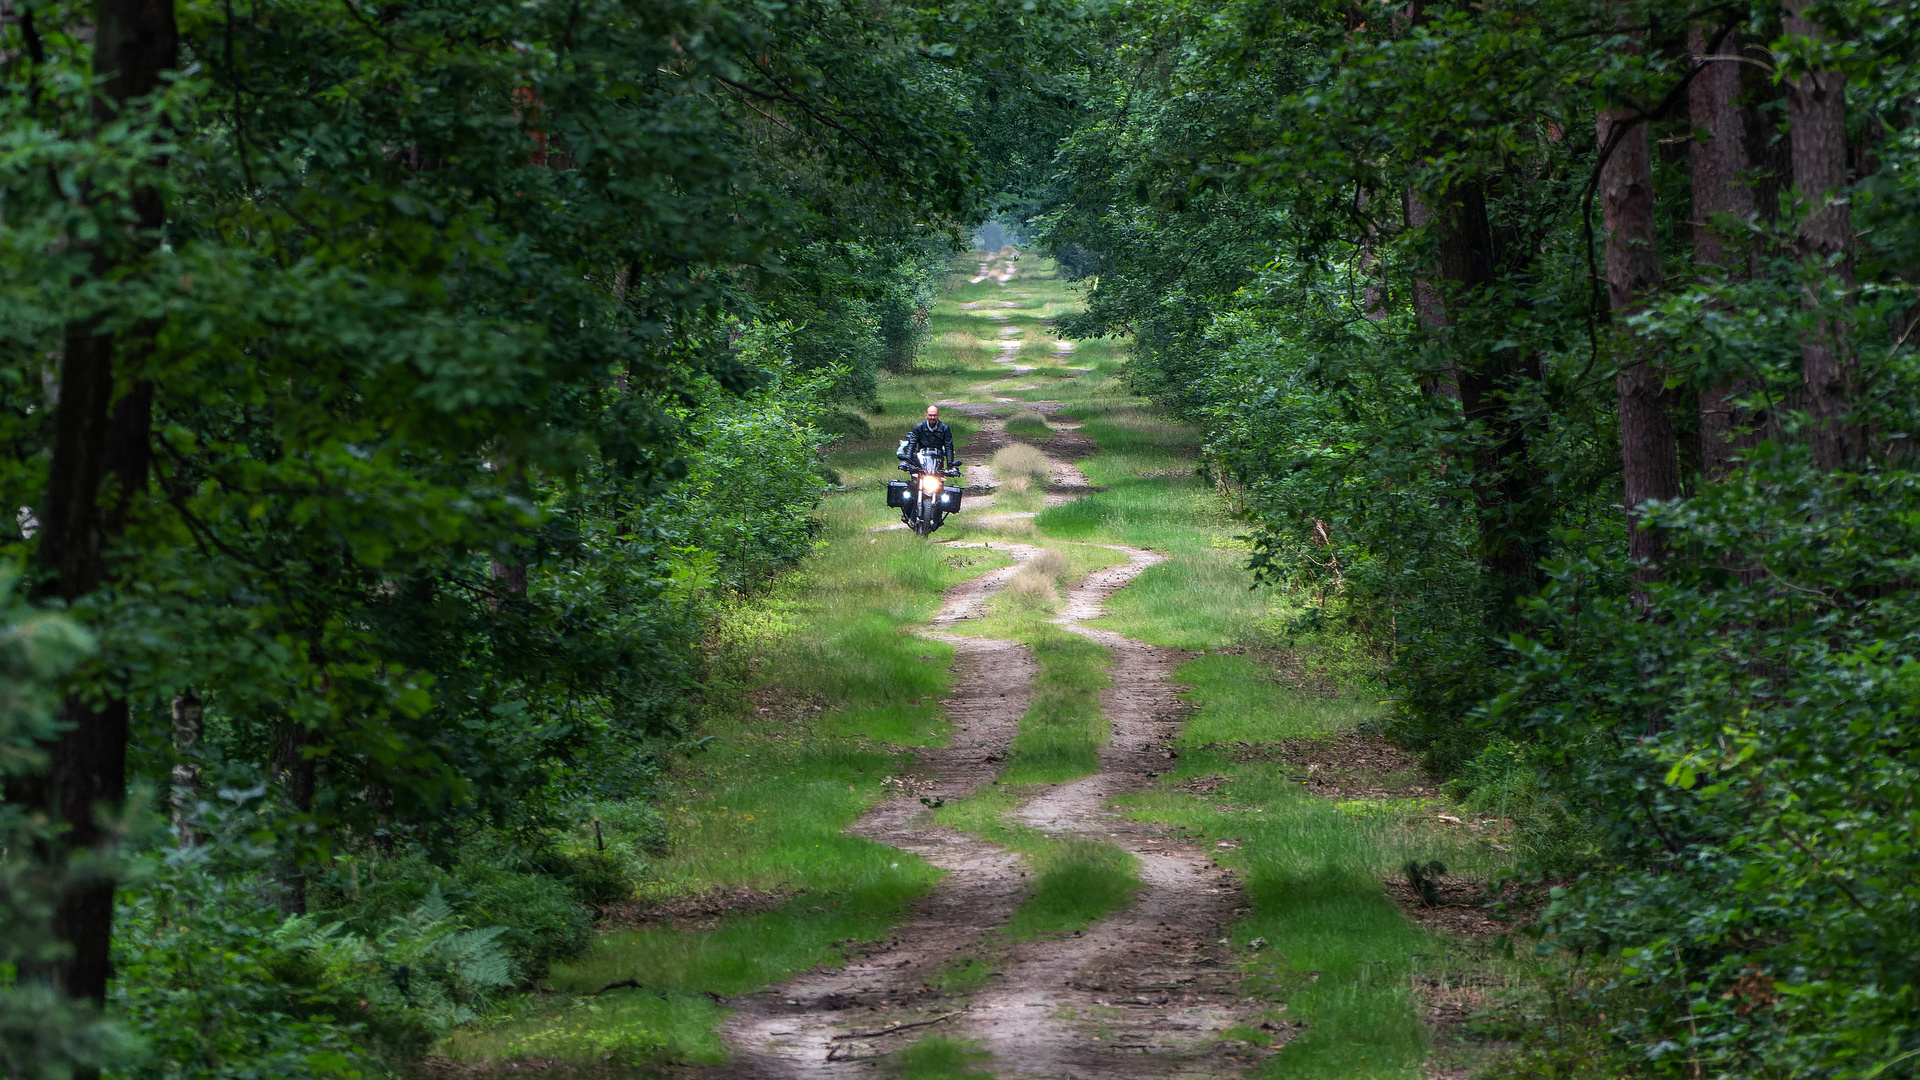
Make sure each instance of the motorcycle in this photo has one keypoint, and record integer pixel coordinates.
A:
(926, 499)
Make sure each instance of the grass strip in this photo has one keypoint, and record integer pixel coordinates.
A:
(1238, 699)
(1076, 882)
(940, 1058)
(1335, 949)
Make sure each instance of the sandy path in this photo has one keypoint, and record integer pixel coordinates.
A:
(792, 1030)
(1141, 994)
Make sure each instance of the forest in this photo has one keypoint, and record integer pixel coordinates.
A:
(444, 443)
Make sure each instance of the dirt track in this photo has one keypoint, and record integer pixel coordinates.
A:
(1141, 994)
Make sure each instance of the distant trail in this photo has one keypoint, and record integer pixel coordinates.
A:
(1141, 994)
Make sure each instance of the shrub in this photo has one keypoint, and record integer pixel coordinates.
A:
(544, 919)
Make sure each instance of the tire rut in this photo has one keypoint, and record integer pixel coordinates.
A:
(1143, 993)
(797, 1028)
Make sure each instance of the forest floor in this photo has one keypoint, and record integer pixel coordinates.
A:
(1104, 816)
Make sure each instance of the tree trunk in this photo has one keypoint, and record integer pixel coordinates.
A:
(512, 578)
(1817, 111)
(1373, 291)
(94, 439)
(1649, 446)
(1504, 482)
(295, 769)
(187, 712)
(1428, 305)
(1720, 164)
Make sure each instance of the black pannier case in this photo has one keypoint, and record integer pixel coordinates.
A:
(897, 493)
(950, 499)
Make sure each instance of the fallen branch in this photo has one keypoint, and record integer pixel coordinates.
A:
(636, 984)
(897, 1027)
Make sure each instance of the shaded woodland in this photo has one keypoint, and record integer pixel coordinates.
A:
(391, 395)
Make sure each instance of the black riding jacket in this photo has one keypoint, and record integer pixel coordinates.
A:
(931, 435)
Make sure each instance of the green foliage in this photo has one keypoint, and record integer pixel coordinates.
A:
(1261, 193)
(541, 913)
(1764, 868)
(219, 983)
(42, 1034)
(489, 347)
(937, 1058)
(1508, 780)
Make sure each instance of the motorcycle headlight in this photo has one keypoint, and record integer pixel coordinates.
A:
(929, 483)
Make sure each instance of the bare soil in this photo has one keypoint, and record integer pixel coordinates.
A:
(1143, 993)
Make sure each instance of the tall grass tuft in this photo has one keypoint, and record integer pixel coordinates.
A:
(1034, 585)
(1026, 463)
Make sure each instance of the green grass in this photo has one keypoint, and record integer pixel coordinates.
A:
(1029, 428)
(838, 632)
(623, 1029)
(1076, 883)
(965, 975)
(1337, 951)
(1238, 700)
(747, 952)
(764, 805)
(937, 1058)
(1063, 729)
(1200, 598)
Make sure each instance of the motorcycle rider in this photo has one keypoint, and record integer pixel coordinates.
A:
(928, 434)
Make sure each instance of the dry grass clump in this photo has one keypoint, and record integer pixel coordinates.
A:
(1032, 590)
(1014, 526)
(1051, 562)
(1017, 465)
(1035, 582)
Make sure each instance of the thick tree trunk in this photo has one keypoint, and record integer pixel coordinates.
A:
(1649, 446)
(94, 440)
(1504, 484)
(1428, 305)
(1721, 163)
(1373, 290)
(1718, 160)
(1817, 110)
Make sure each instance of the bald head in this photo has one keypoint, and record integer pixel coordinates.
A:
(933, 412)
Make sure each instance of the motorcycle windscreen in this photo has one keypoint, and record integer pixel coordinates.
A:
(950, 499)
(897, 493)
